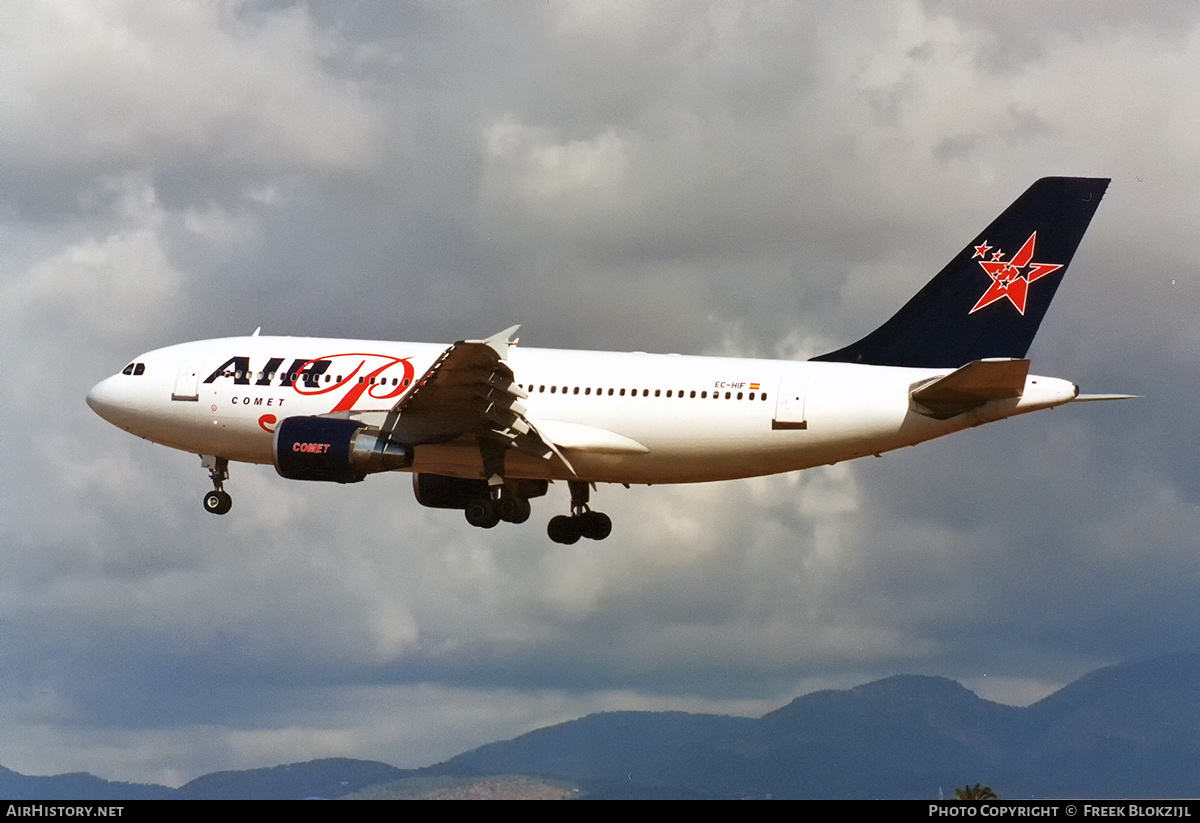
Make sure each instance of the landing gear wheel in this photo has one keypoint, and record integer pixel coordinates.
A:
(595, 525)
(481, 513)
(583, 522)
(563, 529)
(217, 502)
(513, 509)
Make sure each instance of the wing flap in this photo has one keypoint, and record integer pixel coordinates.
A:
(580, 437)
(966, 388)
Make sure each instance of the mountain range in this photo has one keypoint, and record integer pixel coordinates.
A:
(1131, 730)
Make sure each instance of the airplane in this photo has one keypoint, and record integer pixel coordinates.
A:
(485, 425)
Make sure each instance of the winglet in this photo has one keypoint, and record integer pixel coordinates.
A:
(498, 342)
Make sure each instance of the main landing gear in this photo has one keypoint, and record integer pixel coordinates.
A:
(489, 506)
(218, 500)
(583, 522)
(486, 512)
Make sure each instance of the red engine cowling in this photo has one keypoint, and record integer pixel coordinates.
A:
(334, 450)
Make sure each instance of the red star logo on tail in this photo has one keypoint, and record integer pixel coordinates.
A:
(1011, 279)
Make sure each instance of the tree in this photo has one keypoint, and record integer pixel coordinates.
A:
(976, 792)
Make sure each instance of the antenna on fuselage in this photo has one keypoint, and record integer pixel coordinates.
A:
(256, 331)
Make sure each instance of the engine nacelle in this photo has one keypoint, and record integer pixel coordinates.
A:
(334, 450)
(439, 492)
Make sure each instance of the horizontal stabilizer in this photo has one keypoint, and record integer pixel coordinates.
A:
(976, 383)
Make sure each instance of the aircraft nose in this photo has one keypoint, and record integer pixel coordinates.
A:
(107, 400)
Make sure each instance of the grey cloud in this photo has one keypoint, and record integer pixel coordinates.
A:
(721, 178)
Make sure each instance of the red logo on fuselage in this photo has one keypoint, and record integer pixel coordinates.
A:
(348, 376)
(367, 376)
(1011, 279)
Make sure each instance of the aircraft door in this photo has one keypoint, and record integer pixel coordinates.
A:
(187, 382)
(789, 401)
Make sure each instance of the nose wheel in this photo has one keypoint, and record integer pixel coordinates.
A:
(218, 500)
(582, 522)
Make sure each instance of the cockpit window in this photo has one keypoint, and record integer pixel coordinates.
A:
(139, 368)
(128, 369)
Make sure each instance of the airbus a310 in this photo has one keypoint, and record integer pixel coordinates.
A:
(484, 426)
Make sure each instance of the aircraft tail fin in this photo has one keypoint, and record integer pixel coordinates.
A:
(990, 299)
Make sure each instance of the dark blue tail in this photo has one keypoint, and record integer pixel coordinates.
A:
(990, 299)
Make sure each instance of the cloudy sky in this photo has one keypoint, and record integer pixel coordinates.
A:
(769, 179)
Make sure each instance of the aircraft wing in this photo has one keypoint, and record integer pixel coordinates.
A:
(468, 391)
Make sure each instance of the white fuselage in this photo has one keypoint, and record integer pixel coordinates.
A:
(618, 417)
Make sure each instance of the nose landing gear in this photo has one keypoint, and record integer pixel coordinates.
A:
(583, 522)
(218, 500)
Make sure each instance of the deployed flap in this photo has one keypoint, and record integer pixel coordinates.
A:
(976, 383)
(579, 437)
